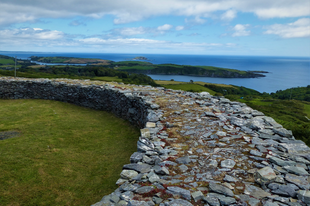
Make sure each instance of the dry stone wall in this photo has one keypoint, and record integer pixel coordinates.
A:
(194, 148)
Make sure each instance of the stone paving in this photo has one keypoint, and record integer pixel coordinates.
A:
(194, 149)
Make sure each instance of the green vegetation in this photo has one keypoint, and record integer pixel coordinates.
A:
(299, 93)
(69, 60)
(189, 87)
(208, 71)
(64, 155)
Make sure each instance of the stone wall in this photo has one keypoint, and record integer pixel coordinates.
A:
(123, 103)
(194, 149)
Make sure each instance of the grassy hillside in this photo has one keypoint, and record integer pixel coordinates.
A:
(62, 155)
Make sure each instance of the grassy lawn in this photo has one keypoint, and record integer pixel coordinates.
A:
(7, 61)
(108, 79)
(164, 82)
(307, 109)
(189, 87)
(64, 155)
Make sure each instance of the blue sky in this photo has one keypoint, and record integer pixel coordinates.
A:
(211, 27)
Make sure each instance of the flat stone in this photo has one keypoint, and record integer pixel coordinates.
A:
(183, 168)
(296, 147)
(255, 191)
(281, 162)
(145, 133)
(283, 132)
(141, 168)
(178, 202)
(213, 163)
(127, 195)
(256, 153)
(140, 203)
(251, 201)
(230, 179)
(228, 163)
(212, 199)
(183, 160)
(128, 174)
(180, 191)
(145, 189)
(266, 174)
(220, 189)
(150, 125)
(304, 195)
(136, 157)
(198, 195)
(296, 170)
(284, 190)
(160, 170)
(300, 181)
(153, 177)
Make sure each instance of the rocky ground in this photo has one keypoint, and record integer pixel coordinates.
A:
(197, 149)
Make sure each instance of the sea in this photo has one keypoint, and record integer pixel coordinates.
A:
(283, 72)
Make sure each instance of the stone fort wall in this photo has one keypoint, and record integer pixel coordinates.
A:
(223, 152)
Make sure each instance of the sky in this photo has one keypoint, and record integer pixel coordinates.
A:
(206, 27)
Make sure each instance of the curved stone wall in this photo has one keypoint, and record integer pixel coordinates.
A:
(194, 149)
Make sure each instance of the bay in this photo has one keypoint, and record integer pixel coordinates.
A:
(284, 72)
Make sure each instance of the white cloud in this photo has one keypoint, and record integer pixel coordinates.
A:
(229, 15)
(299, 28)
(240, 30)
(164, 27)
(195, 21)
(179, 28)
(18, 11)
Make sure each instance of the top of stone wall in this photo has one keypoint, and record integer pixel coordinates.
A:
(198, 149)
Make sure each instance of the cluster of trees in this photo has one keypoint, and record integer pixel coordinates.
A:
(298, 93)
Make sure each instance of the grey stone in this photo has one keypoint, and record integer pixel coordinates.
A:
(122, 203)
(256, 153)
(127, 196)
(198, 195)
(141, 168)
(281, 162)
(283, 132)
(230, 179)
(265, 175)
(183, 168)
(160, 170)
(136, 157)
(140, 203)
(157, 200)
(304, 195)
(285, 190)
(296, 147)
(145, 189)
(114, 198)
(255, 191)
(183, 160)
(300, 181)
(179, 191)
(212, 199)
(228, 163)
(153, 177)
(213, 163)
(250, 200)
(296, 170)
(220, 189)
(128, 174)
(178, 202)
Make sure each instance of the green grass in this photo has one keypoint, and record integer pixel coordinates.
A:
(7, 61)
(108, 79)
(189, 87)
(65, 155)
(307, 109)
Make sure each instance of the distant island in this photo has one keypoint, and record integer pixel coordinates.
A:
(141, 58)
(69, 60)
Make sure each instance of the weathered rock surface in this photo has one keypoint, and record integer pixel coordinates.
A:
(194, 148)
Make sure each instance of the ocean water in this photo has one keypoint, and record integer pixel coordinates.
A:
(284, 72)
